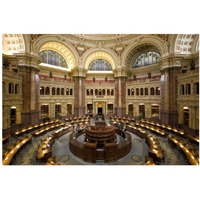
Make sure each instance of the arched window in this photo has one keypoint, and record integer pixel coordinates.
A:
(152, 91)
(16, 88)
(141, 91)
(88, 92)
(53, 58)
(62, 91)
(67, 91)
(58, 91)
(132, 91)
(41, 90)
(112, 92)
(100, 92)
(182, 90)
(71, 91)
(47, 92)
(188, 89)
(108, 92)
(129, 92)
(100, 65)
(137, 91)
(96, 92)
(196, 88)
(157, 91)
(146, 91)
(104, 91)
(91, 92)
(11, 88)
(146, 58)
(53, 91)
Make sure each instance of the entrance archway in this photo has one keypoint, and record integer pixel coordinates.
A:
(186, 116)
(13, 115)
(130, 109)
(142, 111)
(100, 108)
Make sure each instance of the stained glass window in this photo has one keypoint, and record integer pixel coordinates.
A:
(100, 65)
(53, 58)
(146, 58)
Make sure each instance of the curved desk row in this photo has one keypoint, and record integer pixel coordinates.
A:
(165, 127)
(194, 139)
(137, 131)
(48, 128)
(149, 161)
(122, 118)
(192, 155)
(44, 150)
(5, 139)
(11, 152)
(52, 161)
(151, 128)
(77, 118)
(155, 151)
(24, 130)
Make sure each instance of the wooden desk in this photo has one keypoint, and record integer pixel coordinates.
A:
(44, 150)
(165, 127)
(39, 132)
(52, 161)
(13, 151)
(26, 129)
(149, 161)
(4, 139)
(194, 139)
(155, 151)
(193, 159)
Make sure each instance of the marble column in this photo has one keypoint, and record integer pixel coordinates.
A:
(169, 91)
(79, 95)
(120, 94)
(30, 89)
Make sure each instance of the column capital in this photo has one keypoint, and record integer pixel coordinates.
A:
(79, 72)
(120, 72)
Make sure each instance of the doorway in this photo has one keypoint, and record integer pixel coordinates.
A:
(142, 111)
(100, 111)
(186, 116)
(13, 117)
(57, 111)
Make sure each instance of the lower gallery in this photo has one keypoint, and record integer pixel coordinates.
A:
(100, 99)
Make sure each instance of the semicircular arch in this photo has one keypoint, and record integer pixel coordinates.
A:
(94, 54)
(64, 48)
(152, 40)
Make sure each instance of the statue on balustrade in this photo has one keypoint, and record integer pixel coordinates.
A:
(50, 75)
(149, 75)
(134, 77)
(192, 65)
